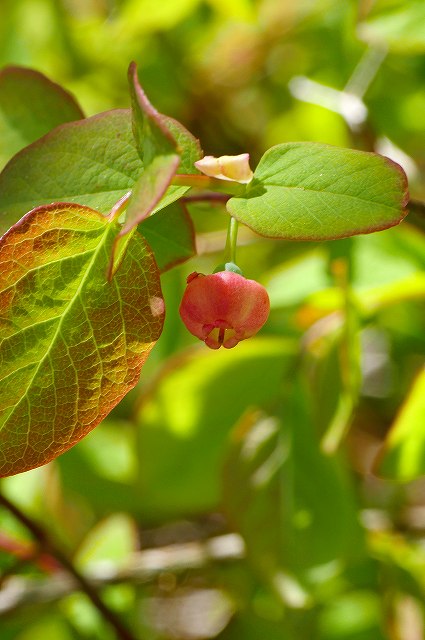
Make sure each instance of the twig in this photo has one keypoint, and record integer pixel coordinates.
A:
(348, 102)
(145, 567)
(48, 545)
(220, 198)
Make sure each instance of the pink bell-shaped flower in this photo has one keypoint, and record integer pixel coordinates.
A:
(223, 308)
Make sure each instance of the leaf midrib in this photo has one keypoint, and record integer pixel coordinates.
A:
(64, 314)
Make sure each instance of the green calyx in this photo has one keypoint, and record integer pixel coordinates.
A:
(228, 266)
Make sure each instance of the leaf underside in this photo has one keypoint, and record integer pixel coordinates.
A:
(72, 344)
(309, 191)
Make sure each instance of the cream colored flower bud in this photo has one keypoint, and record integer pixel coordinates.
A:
(235, 168)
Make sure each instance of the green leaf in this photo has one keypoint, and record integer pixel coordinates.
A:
(170, 235)
(188, 414)
(404, 454)
(112, 540)
(112, 439)
(149, 189)
(72, 344)
(399, 25)
(158, 136)
(250, 626)
(86, 469)
(150, 130)
(30, 106)
(356, 614)
(188, 146)
(309, 191)
(295, 279)
(92, 162)
(288, 499)
(157, 149)
(146, 193)
(46, 624)
(138, 17)
(189, 150)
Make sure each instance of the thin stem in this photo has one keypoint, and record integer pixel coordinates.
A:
(46, 543)
(349, 357)
(339, 425)
(220, 198)
(365, 71)
(206, 183)
(231, 241)
(147, 566)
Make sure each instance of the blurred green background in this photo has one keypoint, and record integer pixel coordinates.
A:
(237, 495)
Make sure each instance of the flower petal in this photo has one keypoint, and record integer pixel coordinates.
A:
(234, 168)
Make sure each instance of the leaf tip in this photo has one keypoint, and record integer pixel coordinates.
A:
(403, 182)
(147, 110)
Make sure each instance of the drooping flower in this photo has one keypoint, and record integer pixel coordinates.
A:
(235, 168)
(223, 308)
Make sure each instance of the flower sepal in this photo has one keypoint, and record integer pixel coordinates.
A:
(228, 266)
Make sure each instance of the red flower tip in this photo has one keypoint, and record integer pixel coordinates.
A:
(223, 308)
